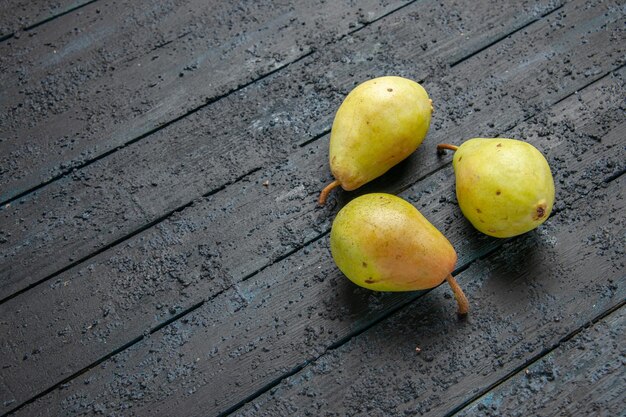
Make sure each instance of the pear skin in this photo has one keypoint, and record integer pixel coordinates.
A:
(504, 186)
(383, 243)
(380, 123)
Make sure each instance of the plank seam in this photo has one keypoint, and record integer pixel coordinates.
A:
(215, 99)
(211, 101)
(589, 83)
(46, 20)
(208, 102)
(305, 363)
(283, 256)
(150, 132)
(75, 375)
(158, 327)
(250, 275)
(615, 176)
(315, 138)
(273, 384)
(130, 235)
(503, 37)
(346, 339)
(538, 357)
(342, 341)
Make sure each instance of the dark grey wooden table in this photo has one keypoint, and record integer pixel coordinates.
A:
(161, 251)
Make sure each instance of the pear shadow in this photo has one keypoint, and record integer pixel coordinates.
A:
(424, 319)
(521, 256)
(362, 304)
(401, 316)
(390, 182)
(520, 277)
(420, 163)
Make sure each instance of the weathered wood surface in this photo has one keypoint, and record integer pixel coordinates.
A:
(104, 285)
(526, 298)
(113, 192)
(240, 261)
(583, 376)
(183, 266)
(116, 71)
(176, 237)
(306, 286)
(243, 132)
(18, 15)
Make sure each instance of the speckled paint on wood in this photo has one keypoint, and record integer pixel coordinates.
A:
(234, 173)
(113, 72)
(18, 16)
(582, 376)
(294, 290)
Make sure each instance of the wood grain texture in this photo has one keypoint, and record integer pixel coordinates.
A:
(117, 70)
(525, 299)
(18, 15)
(137, 286)
(245, 242)
(141, 174)
(583, 376)
(251, 334)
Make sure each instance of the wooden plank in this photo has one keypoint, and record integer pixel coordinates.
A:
(231, 152)
(106, 76)
(184, 268)
(78, 212)
(290, 291)
(174, 370)
(583, 376)
(526, 299)
(17, 15)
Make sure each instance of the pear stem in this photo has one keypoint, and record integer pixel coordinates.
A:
(447, 146)
(324, 194)
(461, 299)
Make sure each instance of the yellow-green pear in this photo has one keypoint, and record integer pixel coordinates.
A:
(504, 186)
(383, 243)
(380, 123)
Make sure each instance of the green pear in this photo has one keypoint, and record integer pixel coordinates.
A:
(504, 186)
(380, 123)
(383, 243)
